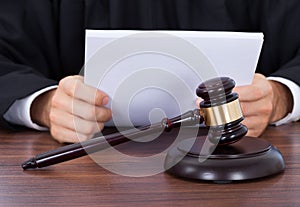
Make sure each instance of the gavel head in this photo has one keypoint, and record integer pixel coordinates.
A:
(221, 110)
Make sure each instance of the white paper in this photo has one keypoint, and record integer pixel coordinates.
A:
(151, 75)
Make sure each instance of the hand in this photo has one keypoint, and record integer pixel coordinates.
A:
(263, 102)
(73, 112)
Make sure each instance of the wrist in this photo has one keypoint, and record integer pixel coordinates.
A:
(40, 108)
(282, 101)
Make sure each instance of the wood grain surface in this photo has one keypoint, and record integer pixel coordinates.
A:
(83, 182)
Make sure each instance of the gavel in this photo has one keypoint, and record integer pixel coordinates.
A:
(228, 154)
(220, 111)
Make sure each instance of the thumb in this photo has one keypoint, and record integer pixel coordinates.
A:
(198, 101)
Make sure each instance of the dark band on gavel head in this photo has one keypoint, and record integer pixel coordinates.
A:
(221, 110)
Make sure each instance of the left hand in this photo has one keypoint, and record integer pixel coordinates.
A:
(56, 110)
(263, 102)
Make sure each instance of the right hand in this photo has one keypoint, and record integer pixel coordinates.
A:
(73, 112)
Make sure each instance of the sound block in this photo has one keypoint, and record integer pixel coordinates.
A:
(249, 158)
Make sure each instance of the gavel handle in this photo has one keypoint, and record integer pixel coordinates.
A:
(73, 151)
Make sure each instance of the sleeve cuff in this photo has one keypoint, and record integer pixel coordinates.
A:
(19, 111)
(295, 90)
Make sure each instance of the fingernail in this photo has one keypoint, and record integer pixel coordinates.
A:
(105, 100)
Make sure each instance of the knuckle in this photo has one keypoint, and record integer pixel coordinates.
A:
(71, 90)
(257, 93)
(82, 137)
(100, 126)
(56, 101)
(55, 132)
(269, 89)
(78, 77)
(244, 108)
(90, 114)
(52, 116)
(267, 108)
(89, 129)
(101, 114)
(69, 85)
(259, 76)
(64, 82)
(253, 133)
(106, 114)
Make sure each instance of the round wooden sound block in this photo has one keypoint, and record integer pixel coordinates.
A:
(246, 159)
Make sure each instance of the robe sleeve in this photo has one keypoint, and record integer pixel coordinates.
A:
(24, 66)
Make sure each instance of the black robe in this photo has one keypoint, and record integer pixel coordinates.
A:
(42, 41)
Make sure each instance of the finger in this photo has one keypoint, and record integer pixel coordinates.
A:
(249, 93)
(261, 108)
(65, 135)
(198, 101)
(254, 132)
(90, 112)
(259, 89)
(247, 108)
(74, 123)
(80, 108)
(255, 127)
(74, 87)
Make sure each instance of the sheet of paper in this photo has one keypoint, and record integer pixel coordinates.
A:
(149, 75)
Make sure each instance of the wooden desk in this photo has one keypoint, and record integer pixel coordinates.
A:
(82, 182)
